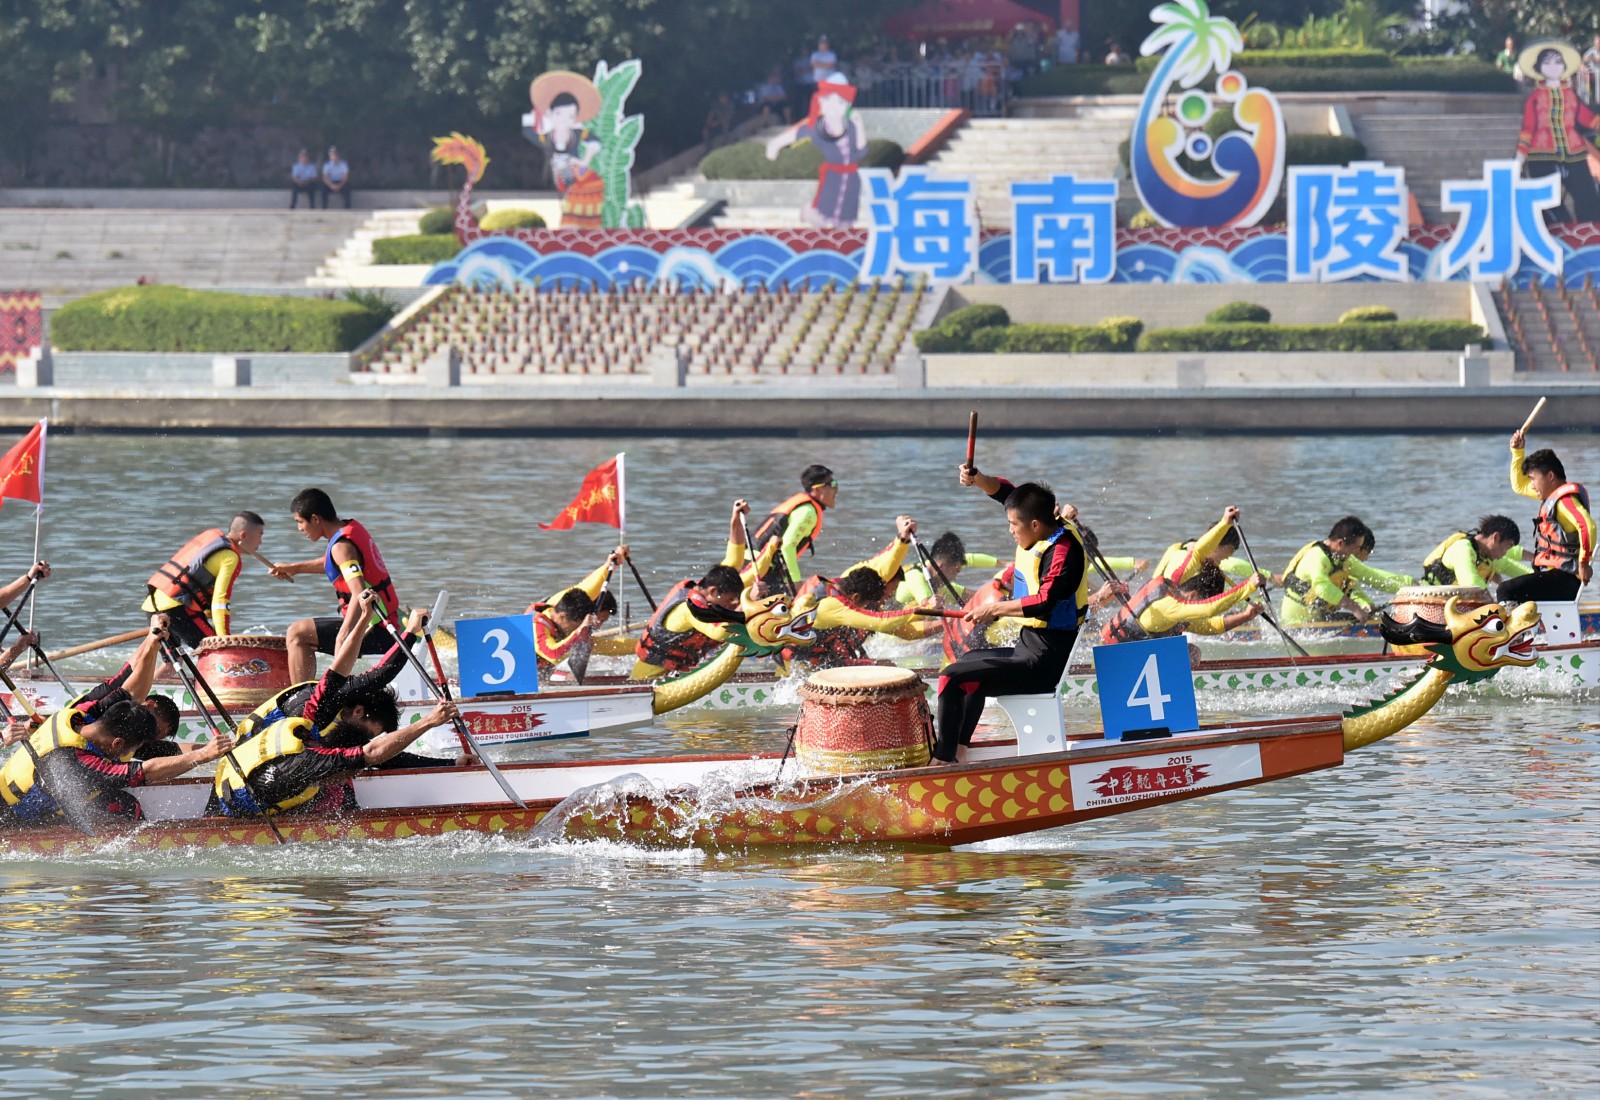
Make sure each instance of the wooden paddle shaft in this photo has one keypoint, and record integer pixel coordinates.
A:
(90, 647)
(972, 437)
(1534, 415)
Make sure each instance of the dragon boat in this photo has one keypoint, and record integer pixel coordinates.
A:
(732, 801)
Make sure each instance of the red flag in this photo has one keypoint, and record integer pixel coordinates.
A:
(598, 501)
(22, 468)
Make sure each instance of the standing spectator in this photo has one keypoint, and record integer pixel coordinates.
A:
(719, 121)
(773, 98)
(1115, 56)
(1506, 59)
(335, 178)
(303, 181)
(1591, 71)
(1067, 44)
(824, 62)
(1025, 47)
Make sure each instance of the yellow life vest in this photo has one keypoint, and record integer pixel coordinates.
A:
(1025, 582)
(282, 738)
(60, 731)
(267, 713)
(1435, 572)
(1299, 590)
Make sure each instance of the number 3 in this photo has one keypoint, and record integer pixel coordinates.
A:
(508, 663)
(1149, 682)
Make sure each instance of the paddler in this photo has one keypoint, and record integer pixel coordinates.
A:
(304, 761)
(79, 763)
(39, 570)
(1476, 558)
(1188, 592)
(1048, 590)
(571, 616)
(797, 521)
(1322, 582)
(691, 621)
(849, 608)
(950, 556)
(194, 587)
(352, 563)
(1564, 534)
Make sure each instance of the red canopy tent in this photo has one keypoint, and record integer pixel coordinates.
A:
(960, 18)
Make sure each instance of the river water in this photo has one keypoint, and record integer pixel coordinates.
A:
(1420, 922)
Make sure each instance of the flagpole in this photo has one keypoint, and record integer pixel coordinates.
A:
(622, 499)
(38, 512)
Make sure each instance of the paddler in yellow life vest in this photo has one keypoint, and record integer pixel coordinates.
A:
(194, 588)
(1564, 534)
(1476, 558)
(303, 762)
(570, 617)
(797, 521)
(352, 563)
(690, 623)
(1188, 591)
(949, 553)
(848, 609)
(1322, 582)
(78, 766)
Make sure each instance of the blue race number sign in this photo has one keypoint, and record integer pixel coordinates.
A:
(1146, 685)
(497, 656)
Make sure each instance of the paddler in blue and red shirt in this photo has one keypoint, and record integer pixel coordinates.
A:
(352, 564)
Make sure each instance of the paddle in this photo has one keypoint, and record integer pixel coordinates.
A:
(582, 649)
(781, 568)
(17, 695)
(16, 612)
(649, 599)
(193, 682)
(938, 612)
(90, 647)
(1091, 546)
(932, 567)
(428, 631)
(1266, 593)
(264, 560)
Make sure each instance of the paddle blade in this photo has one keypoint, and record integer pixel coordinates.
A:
(578, 657)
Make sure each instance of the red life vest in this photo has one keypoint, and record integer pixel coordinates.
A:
(184, 577)
(1125, 626)
(777, 522)
(960, 638)
(372, 568)
(674, 649)
(1553, 546)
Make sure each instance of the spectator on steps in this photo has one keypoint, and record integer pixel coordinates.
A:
(1506, 59)
(335, 178)
(1115, 56)
(719, 122)
(773, 98)
(303, 181)
(1067, 44)
(824, 62)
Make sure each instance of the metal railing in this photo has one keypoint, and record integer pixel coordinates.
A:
(978, 86)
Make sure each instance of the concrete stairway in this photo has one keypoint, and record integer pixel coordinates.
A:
(1553, 328)
(1432, 148)
(352, 264)
(997, 151)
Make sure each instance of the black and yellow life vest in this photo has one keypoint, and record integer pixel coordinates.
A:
(268, 712)
(673, 649)
(1025, 582)
(1298, 589)
(283, 738)
(1436, 572)
(62, 730)
(1554, 547)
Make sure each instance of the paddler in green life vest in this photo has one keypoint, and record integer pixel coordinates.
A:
(1564, 533)
(849, 608)
(1322, 582)
(352, 563)
(1188, 592)
(797, 522)
(1477, 558)
(78, 766)
(194, 588)
(570, 617)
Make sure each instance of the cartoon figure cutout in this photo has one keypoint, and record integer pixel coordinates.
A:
(836, 130)
(580, 125)
(1552, 141)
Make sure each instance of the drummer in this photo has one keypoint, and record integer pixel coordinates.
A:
(571, 616)
(1049, 587)
(848, 609)
(195, 586)
(1564, 530)
(352, 563)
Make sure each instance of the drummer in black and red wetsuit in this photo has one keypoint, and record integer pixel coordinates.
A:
(352, 563)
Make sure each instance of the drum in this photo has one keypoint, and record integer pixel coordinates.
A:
(861, 719)
(244, 669)
(1424, 602)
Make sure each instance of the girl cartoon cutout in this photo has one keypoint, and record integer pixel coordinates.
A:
(836, 131)
(563, 104)
(1552, 141)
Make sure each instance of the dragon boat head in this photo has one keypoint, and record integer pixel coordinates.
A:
(1472, 645)
(771, 625)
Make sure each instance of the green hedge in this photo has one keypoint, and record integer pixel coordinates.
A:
(440, 219)
(955, 330)
(1239, 313)
(1348, 58)
(748, 161)
(170, 318)
(1381, 336)
(1405, 75)
(1367, 315)
(1112, 334)
(502, 220)
(419, 248)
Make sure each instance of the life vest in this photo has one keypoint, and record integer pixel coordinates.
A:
(814, 589)
(1125, 625)
(960, 637)
(1025, 582)
(1436, 572)
(673, 649)
(1298, 589)
(1553, 546)
(372, 568)
(61, 731)
(285, 737)
(267, 712)
(547, 635)
(185, 577)
(777, 522)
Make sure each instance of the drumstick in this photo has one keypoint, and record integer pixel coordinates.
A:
(264, 561)
(938, 612)
(972, 437)
(1526, 424)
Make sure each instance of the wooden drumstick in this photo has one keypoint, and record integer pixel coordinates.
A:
(1526, 424)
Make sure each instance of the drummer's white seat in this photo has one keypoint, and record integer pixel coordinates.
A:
(1562, 625)
(1040, 724)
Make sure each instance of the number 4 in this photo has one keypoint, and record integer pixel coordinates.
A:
(1149, 682)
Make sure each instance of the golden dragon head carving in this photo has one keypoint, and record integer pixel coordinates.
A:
(770, 625)
(1473, 645)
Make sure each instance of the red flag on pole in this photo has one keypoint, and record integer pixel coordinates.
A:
(598, 501)
(22, 468)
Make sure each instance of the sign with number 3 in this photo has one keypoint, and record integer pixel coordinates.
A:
(1146, 685)
(497, 656)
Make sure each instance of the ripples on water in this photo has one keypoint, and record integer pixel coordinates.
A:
(1421, 922)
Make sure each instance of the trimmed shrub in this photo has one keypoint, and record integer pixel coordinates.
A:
(171, 318)
(1239, 313)
(1367, 315)
(748, 161)
(502, 220)
(1124, 331)
(988, 340)
(939, 340)
(1143, 220)
(419, 248)
(441, 219)
(1340, 58)
(1042, 339)
(969, 319)
(1378, 336)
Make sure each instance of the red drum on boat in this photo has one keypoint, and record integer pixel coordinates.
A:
(863, 719)
(244, 669)
(1427, 602)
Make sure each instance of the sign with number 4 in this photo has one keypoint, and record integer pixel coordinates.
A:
(497, 656)
(1146, 685)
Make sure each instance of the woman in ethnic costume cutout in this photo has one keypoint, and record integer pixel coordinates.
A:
(1551, 142)
(836, 131)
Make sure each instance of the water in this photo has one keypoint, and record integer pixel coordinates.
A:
(1420, 922)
